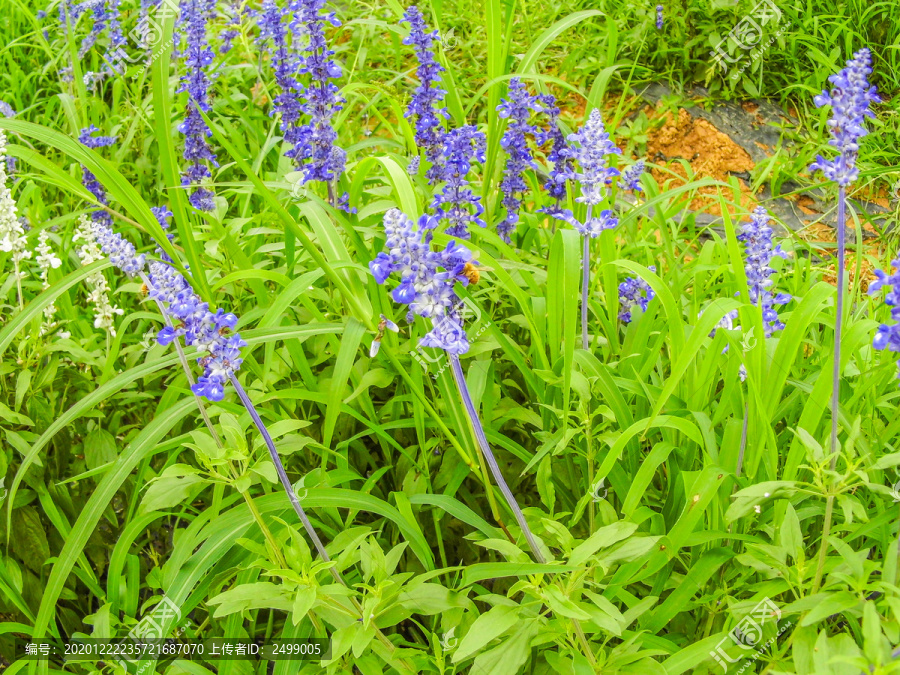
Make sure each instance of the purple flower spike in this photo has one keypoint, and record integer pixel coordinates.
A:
(593, 149)
(89, 139)
(197, 57)
(232, 29)
(120, 251)
(560, 155)
(89, 180)
(101, 15)
(757, 238)
(192, 319)
(634, 292)
(517, 109)
(659, 17)
(461, 147)
(631, 178)
(315, 148)
(426, 277)
(425, 105)
(888, 336)
(850, 100)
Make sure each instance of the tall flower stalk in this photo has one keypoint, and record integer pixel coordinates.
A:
(457, 203)
(426, 107)
(323, 160)
(427, 285)
(209, 333)
(12, 234)
(850, 101)
(46, 260)
(188, 317)
(197, 56)
(594, 176)
(759, 250)
(427, 280)
(517, 110)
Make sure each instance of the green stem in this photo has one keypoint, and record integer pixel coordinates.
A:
(823, 547)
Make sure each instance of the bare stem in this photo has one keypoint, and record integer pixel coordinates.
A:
(823, 547)
(740, 461)
(585, 281)
(19, 285)
(836, 372)
(295, 502)
(489, 458)
(283, 477)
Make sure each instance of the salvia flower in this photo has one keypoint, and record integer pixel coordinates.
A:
(758, 250)
(457, 203)
(12, 233)
(593, 149)
(6, 109)
(888, 335)
(634, 292)
(46, 260)
(119, 250)
(631, 177)
(273, 36)
(316, 149)
(88, 138)
(425, 106)
(189, 317)
(115, 51)
(850, 100)
(232, 29)
(101, 15)
(201, 328)
(559, 154)
(659, 17)
(98, 289)
(517, 109)
(427, 278)
(197, 57)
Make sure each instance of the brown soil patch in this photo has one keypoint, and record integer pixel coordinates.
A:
(881, 196)
(819, 233)
(709, 152)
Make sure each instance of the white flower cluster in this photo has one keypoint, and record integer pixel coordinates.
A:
(47, 259)
(12, 234)
(89, 252)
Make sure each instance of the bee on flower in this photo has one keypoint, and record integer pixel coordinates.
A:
(383, 325)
